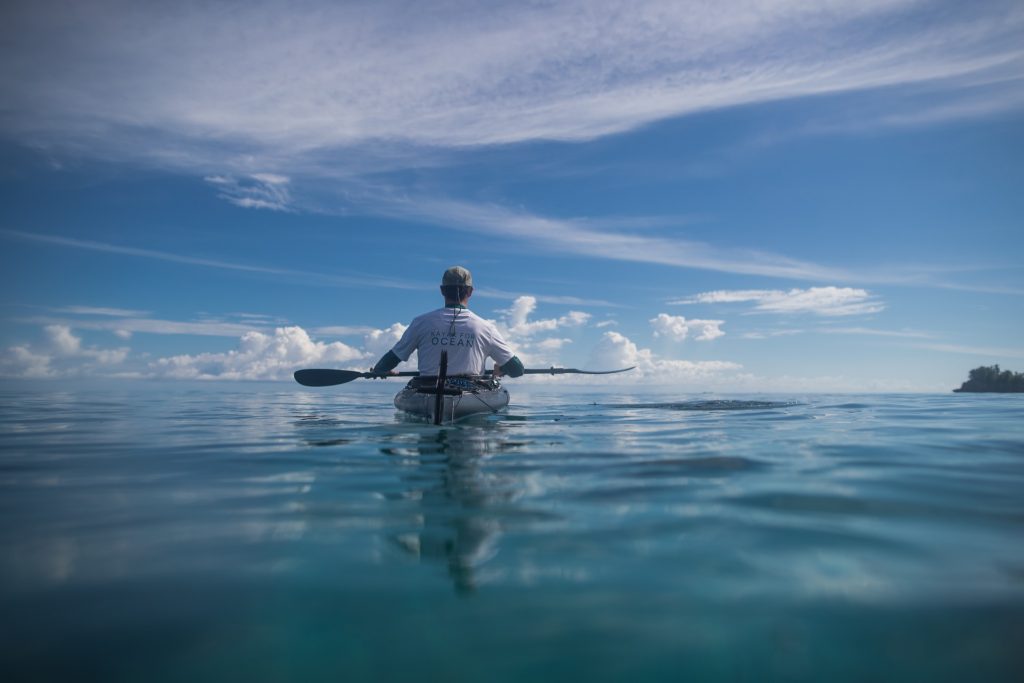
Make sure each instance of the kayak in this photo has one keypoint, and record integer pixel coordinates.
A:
(442, 397)
(463, 396)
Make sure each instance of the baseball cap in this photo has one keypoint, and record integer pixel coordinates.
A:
(457, 275)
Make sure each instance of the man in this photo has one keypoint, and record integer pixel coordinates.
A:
(468, 338)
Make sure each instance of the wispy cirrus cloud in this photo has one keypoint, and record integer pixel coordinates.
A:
(129, 326)
(257, 191)
(994, 353)
(462, 74)
(824, 301)
(851, 331)
(872, 332)
(100, 310)
(300, 276)
(578, 237)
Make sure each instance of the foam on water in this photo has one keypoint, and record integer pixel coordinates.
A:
(271, 533)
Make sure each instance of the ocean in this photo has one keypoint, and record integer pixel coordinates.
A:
(268, 532)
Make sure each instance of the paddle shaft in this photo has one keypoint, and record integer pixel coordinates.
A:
(326, 377)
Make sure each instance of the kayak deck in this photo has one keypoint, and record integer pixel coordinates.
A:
(464, 396)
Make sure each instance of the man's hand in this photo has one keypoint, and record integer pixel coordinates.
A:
(497, 370)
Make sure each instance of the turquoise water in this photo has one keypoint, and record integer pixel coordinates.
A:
(274, 533)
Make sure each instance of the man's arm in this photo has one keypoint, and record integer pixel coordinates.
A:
(386, 364)
(513, 368)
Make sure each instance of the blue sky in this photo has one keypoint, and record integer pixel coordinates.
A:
(734, 196)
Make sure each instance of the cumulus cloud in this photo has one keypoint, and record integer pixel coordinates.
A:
(260, 356)
(552, 344)
(23, 361)
(525, 335)
(615, 350)
(824, 301)
(61, 354)
(517, 323)
(678, 328)
(62, 340)
(379, 342)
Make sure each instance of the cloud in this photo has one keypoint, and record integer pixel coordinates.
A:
(64, 344)
(61, 354)
(101, 310)
(517, 325)
(259, 356)
(677, 328)
(771, 333)
(379, 342)
(300, 276)
(491, 293)
(62, 341)
(304, 276)
(265, 355)
(824, 301)
(23, 361)
(265, 99)
(870, 332)
(342, 330)
(125, 327)
(258, 191)
(271, 81)
(993, 353)
(580, 237)
(615, 350)
(552, 344)
(522, 333)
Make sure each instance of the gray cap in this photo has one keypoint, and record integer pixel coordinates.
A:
(457, 275)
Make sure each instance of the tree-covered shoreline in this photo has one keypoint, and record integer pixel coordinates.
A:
(989, 379)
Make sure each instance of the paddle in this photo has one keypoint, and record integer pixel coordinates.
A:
(316, 377)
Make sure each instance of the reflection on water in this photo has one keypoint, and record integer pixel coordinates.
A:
(453, 494)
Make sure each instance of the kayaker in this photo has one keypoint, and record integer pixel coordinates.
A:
(468, 338)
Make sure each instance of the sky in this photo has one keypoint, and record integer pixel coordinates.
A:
(735, 196)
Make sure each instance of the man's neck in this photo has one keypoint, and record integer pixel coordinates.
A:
(455, 304)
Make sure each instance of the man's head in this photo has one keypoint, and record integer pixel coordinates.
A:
(456, 285)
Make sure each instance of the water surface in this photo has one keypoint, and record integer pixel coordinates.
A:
(271, 533)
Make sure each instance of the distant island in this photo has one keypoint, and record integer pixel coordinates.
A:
(988, 379)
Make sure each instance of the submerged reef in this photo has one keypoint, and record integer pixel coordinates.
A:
(989, 379)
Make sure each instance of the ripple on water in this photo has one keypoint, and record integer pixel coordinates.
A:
(708, 405)
(713, 465)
